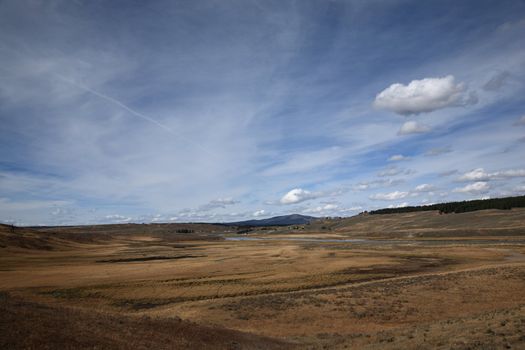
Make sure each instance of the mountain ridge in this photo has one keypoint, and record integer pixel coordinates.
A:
(281, 220)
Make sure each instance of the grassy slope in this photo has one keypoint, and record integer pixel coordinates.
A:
(405, 225)
(29, 325)
(429, 224)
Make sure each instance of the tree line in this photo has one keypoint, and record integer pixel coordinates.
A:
(506, 203)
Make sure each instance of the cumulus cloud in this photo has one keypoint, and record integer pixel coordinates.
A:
(389, 196)
(474, 188)
(259, 213)
(496, 82)
(413, 127)
(423, 96)
(480, 174)
(298, 195)
(397, 158)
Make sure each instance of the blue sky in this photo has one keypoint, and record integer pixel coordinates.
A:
(169, 111)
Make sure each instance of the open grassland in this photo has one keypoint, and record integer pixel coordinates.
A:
(136, 286)
(428, 224)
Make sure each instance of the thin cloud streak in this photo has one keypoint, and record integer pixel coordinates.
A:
(132, 111)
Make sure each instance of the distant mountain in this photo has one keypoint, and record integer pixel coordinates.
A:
(284, 220)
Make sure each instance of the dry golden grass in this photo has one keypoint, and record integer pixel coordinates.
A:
(131, 287)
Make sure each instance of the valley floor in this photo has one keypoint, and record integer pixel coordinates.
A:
(149, 292)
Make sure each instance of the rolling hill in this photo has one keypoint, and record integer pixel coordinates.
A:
(283, 220)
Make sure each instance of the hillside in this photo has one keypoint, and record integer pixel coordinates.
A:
(505, 203)
(421, 224)
(427, 224)
(23, 237)
(284, 220)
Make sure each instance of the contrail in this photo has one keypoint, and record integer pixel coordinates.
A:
(130, 110)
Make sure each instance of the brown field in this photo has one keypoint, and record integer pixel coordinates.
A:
(424, 280)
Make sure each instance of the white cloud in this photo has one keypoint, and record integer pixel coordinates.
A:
(424, 188)
(397, 158)
(389, 196)
(418, 190)
(118, 218)
(423, 96)
(321, 209)
(480, 174)
(474, 188)
(400, 205)
(508, 173)
(331, 209)
(476, 174)
(413, 127)
(298, 195)
(330, 206)
(306, 161)
(258, 213)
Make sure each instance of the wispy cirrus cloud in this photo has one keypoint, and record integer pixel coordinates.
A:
(397, 158)
(394, 171)
(497, 81)
(520, 121)
(389, 196)
(218, 203)
(249, 104)
(480, 174)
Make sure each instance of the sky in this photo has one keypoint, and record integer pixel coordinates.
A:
(216, 111)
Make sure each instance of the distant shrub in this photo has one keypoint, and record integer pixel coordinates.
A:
(241, 232)
(185, 230)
